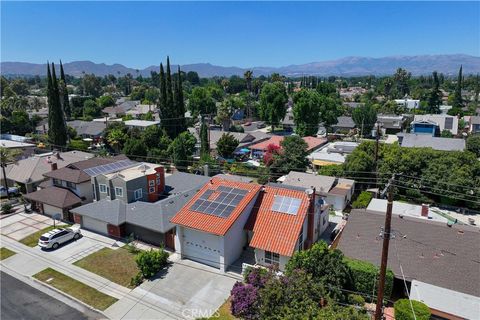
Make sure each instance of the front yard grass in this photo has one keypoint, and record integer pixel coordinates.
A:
(5, 253)
(32, 240)
(75, 288)
(223, 313)
(118, 265)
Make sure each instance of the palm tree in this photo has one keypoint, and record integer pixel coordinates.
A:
(115, 138)
(248, 75)
(7, 156)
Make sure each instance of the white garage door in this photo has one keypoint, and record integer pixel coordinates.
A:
(201, 247)
(94, 225)
(51, 210)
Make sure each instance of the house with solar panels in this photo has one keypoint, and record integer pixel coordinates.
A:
(226, 220)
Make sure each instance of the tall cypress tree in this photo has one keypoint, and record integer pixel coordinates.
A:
(163, 91)
(434, 98)
(457, 96)
(49, 94)
(65, 101)
(57, 131)
(204, 145)
(180, 109)
(169, 87)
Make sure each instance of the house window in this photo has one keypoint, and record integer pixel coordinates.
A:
(151, 190)
(71, 185)
(272, 258)
(102, 188)
(158, 181)
(118, 192)
(138, 194)
(57, 182)
(108, 191)
(151, 183)
(300, 240)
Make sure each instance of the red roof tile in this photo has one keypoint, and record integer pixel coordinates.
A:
(276, 231)
(210, 223)
(312, 143)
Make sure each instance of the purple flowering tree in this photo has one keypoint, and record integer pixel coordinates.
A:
(244, 301)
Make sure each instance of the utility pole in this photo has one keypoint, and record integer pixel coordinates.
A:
(386, 241)
(377, 138)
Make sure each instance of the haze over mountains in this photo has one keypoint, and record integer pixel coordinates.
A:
(348, 66)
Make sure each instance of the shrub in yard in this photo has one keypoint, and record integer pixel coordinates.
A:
(151, 262)
(356, 299)
(256, 276)
(136, 280)
(362, 200)
(363, 277)
(403, 310)
(6, 208)
(244, 301)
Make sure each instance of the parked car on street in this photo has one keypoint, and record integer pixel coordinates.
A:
(11, 191)
(54, 238)
(261, 125)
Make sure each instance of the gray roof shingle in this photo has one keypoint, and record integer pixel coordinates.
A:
(411, 140)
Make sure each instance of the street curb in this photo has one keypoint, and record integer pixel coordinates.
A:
(69, 296)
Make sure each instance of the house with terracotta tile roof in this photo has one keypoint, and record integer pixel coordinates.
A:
(227, 217)
(312, 143)
(285, 220)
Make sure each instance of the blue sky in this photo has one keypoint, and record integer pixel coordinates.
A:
(244, 34)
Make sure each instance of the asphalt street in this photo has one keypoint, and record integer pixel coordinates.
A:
(20, 301)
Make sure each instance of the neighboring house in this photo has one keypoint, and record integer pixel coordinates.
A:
(335, 191)
(210, 227)
(121, 109)
(226, 216)
(284, 221)
(141, 124)
(408, 103)
(333, 153)
(445, 303)
(434, 124)
(474, 125)
(391, 123)
(411, 140)
(146, 221)
(29, 172)
(406, 210)
(312, 143)
(141, 110)
(344, 124)
(435, 253)
(245, 139)
(444, 109)
(288, 122)
(88, 129)
(134, 182)
(19, 144)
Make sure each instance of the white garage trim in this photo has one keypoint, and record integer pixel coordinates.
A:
(51, 210)
(201, 247)
(94, 225)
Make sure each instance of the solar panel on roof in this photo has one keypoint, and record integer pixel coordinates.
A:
(286, 205)
(110, 167)
(224, 203)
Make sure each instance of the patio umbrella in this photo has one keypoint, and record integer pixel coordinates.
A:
(245, 150)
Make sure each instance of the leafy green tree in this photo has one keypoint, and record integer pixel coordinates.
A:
(327, 89)
(362, 200)
(204, 143)
(326, 267)
(7, 156)
(20, 123)
(293, 156)
(151, 262)
(402, 79)
(135, 149)
(19, 87)
(473, 144)
(181, 150)
(105, 101)
(226, 145)
(435, 96)
(329, 111)
(64, 91)
(180, 122)
(151, 96)
(273, 99)
(201, 102)
(446, 134)
(116, 138)
(57, 130)
(365, 118)
(91, 109)
(91, 85)
(306, 112)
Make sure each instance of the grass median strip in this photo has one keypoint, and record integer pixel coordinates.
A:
(5, 253)
(32, 240)
(76, 289)
(118, 265)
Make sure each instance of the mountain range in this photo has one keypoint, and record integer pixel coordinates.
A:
(348, 66)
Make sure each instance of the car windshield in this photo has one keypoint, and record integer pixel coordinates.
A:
(43, 238)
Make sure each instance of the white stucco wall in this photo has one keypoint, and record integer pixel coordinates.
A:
(51, 210)
(260, 259)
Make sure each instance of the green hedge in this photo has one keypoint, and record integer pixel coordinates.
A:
(362, 275)
(403, 310)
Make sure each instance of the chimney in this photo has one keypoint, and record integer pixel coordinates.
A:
(53, 166)
(425, 209)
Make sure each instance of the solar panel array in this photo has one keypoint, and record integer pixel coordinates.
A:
(110, 167)
(222, 205)
(286, 205)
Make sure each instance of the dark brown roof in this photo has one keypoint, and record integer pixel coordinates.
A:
(431, 252)
(54, 196)
(74, 171)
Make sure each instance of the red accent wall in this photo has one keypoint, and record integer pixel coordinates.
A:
(116, 231)
(77, 218)
(160, 187)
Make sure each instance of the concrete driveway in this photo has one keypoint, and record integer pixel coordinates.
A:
(187, 290)
(21, 225)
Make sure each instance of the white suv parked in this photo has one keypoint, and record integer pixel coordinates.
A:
(54, 238)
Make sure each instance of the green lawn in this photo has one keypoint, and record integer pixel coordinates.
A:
(5, 253)
(32, 240)
(118, 265)
(223, 313)
(75, 288)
